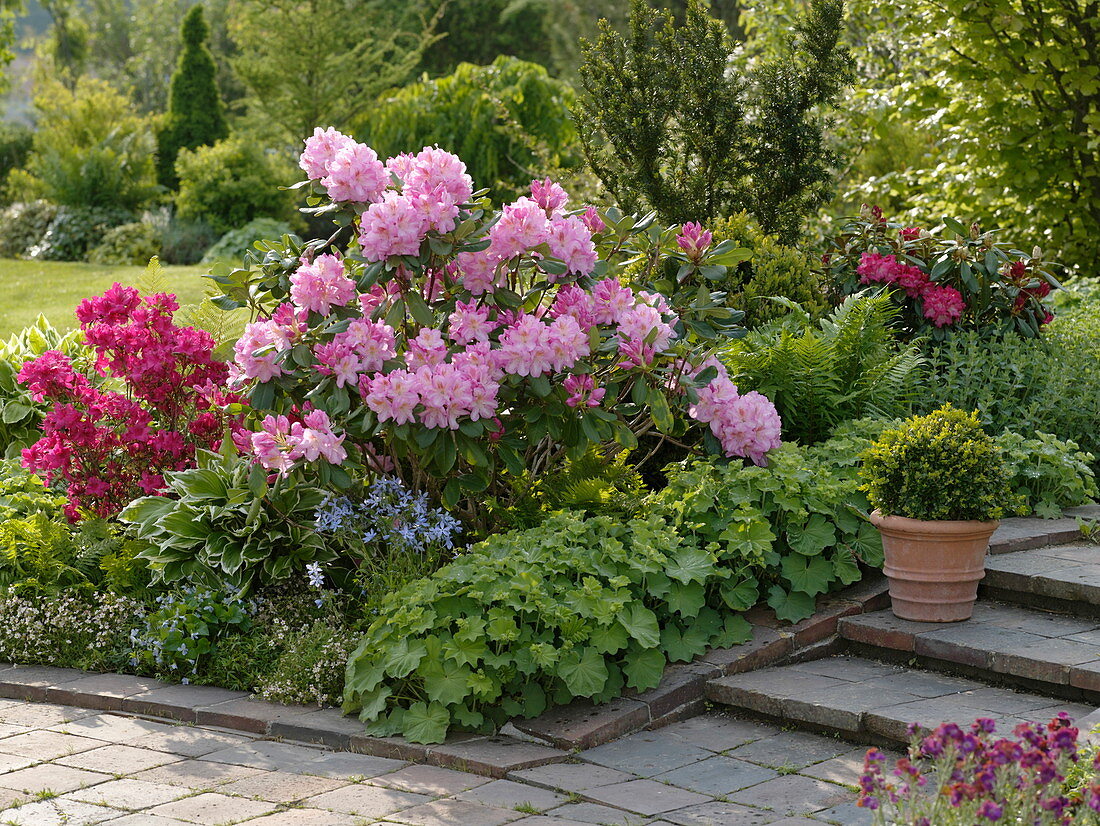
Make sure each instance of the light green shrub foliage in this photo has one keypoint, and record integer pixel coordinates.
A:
(1046, 473)
(774, 270)
(1051, 385)
(505, 120)
(229, 184)
(222, 525)
(20, 415)
(846, 366)
(936, 467)
(90, 149)
(790, 531)
(133, 243)
(574, 608)
(233, 245)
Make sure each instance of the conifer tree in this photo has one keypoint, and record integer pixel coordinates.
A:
(669, 121)
(196, 114)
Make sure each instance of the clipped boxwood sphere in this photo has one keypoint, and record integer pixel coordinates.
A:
(937, 467)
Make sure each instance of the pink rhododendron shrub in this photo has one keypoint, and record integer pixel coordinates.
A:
(964, 279)
(111, 446)
(450, 342)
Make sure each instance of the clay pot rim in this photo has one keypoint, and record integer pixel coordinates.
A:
(931, 526)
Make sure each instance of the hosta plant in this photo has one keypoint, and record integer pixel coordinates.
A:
(222, 524)
(451, 343)
(965, 278)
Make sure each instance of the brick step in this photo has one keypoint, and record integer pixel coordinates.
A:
(867, 700)
(1052, 654)
(1063, 578)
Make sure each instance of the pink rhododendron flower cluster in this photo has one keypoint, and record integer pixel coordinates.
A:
(111, 447)
(693, 240)
(745, 425)
(281, 442)
(321, 285)
(942, 305)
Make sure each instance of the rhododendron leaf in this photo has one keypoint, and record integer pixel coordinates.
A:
(625, 436)
(263, 396)
(641, 624)
(451, 493)
(643, 669)
(583, 674)
(425, 723)
(956, 226)
(790, 606)
(419, 309)
(659, 409)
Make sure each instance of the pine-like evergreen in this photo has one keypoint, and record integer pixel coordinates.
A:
(670, 122)
(196, 114)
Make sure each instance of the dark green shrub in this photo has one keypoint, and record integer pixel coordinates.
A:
(15, 145)
(233, 245)
(230, 183)
(774, 270)
(478, 32)
(196, 115)
(666, 124)
(846, 366)
(941, 466)
(74, 231)
(133, 243)
(22, 225)
(506, 121)
(184, 242)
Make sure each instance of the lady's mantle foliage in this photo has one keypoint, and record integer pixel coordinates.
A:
(449, 342)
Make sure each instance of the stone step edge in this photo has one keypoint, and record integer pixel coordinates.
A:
(992, 667)
(1027, 533)
(868, 725)
(491, 756)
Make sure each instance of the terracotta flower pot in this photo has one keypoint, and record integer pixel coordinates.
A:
(934, 567)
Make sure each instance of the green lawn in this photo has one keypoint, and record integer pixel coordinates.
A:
(28, 288)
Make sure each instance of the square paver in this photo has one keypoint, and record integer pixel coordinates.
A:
(58, 813)
(212, 807)
(343, 765)
(646, 797)
(844, 769)
(305, 817)
(646, 754)
(430, 780)
(717, 776)
(189, 742)
(719, 732)
(595, 813)
(38, 716)
(791, 749)
(450, 812)
(196, 774)
(47, 745)
(118, 759)
(507, 794)
(111, 728)
(281, 787)
(51, 777)
(793, 795)
(720, 814)
(129, 794)
(365, 801)
(267, 754)
(572, 777)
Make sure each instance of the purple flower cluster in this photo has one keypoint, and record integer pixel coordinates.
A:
(963, 776)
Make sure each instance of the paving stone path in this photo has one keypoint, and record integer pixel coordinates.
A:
(65, 765)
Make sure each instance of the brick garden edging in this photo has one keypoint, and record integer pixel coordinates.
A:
(523, 744)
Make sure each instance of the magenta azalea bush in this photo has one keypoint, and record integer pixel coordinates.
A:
(968, 281)
(449, 342)
(109, 446)
(958, 777)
